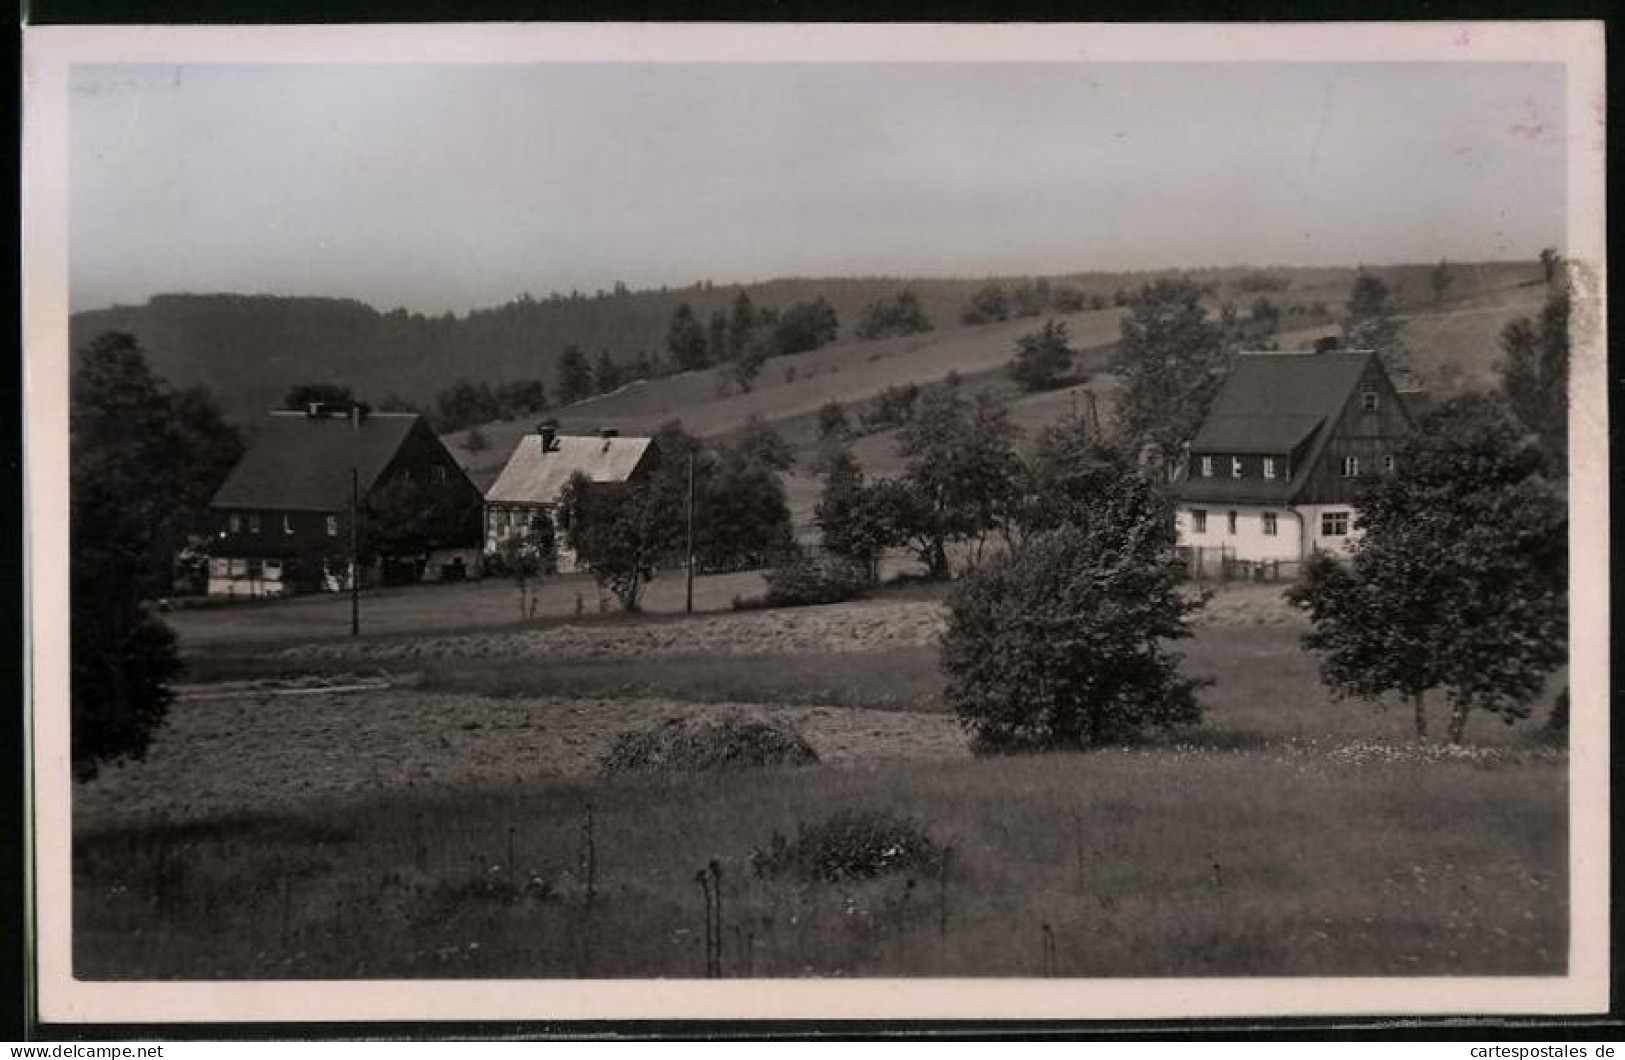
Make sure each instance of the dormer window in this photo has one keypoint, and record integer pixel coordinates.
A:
(235, 521)
(1368, 401)
(253, 522)
(1351, 467)
(1269, 467)
(1207, 467)
(1235, 467)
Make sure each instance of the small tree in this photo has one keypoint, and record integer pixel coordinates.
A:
(757, 440)
(1043, 357)
(619, 532)
(1440, 279)
(804, 326)
(606, 374)
(1458, 581)
(1059, 644)
(890, 317)
(988, 305)
(527, 558)
(1549, 260)
(832, 421)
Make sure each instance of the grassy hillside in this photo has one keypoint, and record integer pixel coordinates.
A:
(250, 348)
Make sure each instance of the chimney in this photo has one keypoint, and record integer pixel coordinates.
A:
(315, 410)
(355, 416)
(549, 431)
(1328, 344)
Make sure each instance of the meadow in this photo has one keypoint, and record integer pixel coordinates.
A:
(456, 823)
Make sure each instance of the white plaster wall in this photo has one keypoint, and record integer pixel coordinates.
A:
(1336, 546)
(1249, 542)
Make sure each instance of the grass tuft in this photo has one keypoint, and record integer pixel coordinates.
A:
(699, 745)
(851, 845)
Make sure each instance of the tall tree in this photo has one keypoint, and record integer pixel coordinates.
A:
(1535, 377)
(742, 327)
(1369, 324)
(1171, 359)
(144, 462)
(606, 374)
(846, 523)
(1549, 260)
(575, 376)
(1458, 580)
(1440, 279)
(716, 338)
(685, 340)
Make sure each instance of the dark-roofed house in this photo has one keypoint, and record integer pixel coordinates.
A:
(1275, 468)
(282, 518)
(541, 466)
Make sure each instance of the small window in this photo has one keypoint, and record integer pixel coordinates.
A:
(273, 568)
(438, 474)
(1235, 467)
(237, 568)
(1269, 467)
(1207, 467)
(1334, 524)
(287, 524)
(1368, 401)
(1231, 523)
(1198, 521)
(235, 521)
(1388, 462)
(1269, 524)
(1351, 467)
(253, 522)
(332, 526)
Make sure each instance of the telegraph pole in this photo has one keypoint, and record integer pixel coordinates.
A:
(688, 606)
(355, 557)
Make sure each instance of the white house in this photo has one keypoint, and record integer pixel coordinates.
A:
(1273, 472)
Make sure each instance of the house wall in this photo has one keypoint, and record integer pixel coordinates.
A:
(1249, 542)
(1319, 542)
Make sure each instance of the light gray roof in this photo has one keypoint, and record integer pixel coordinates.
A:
(534, 477)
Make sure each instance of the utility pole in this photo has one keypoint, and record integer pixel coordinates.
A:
(355, 557)
(688, 606)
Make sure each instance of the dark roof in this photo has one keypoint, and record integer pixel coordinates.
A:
(1255, 434)
(1273, 403)
(302, 463)
(533, 476)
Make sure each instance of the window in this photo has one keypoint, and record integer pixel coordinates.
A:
(1368, 401)
(438, 473)
(1269, 467)
(1388, 462)
(1235, 467)
(1198, 521)
(1351, 467)
(1207, 467)
(1269, 524)
(1334, 524)
(332, 526)
(1231, 523)
(287, 524)
(235, 521)
(253, 522)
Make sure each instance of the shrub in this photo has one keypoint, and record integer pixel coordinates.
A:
(1059, 644)
(851, 845)
(805, 581)
(700, 745)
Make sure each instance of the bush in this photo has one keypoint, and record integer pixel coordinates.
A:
(851, 845)
(806, 581)
(701, 745)
(1059, 645)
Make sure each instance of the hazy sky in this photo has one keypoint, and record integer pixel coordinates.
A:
(455, 187)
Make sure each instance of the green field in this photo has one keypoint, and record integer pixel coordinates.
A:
(437, 828)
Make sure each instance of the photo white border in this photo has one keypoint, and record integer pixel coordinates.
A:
(49, 54)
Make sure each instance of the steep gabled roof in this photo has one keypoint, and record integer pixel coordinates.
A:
(1274, 403)
(532, 476)
(302, 463)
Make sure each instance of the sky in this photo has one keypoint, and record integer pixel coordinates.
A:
(446, 188)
